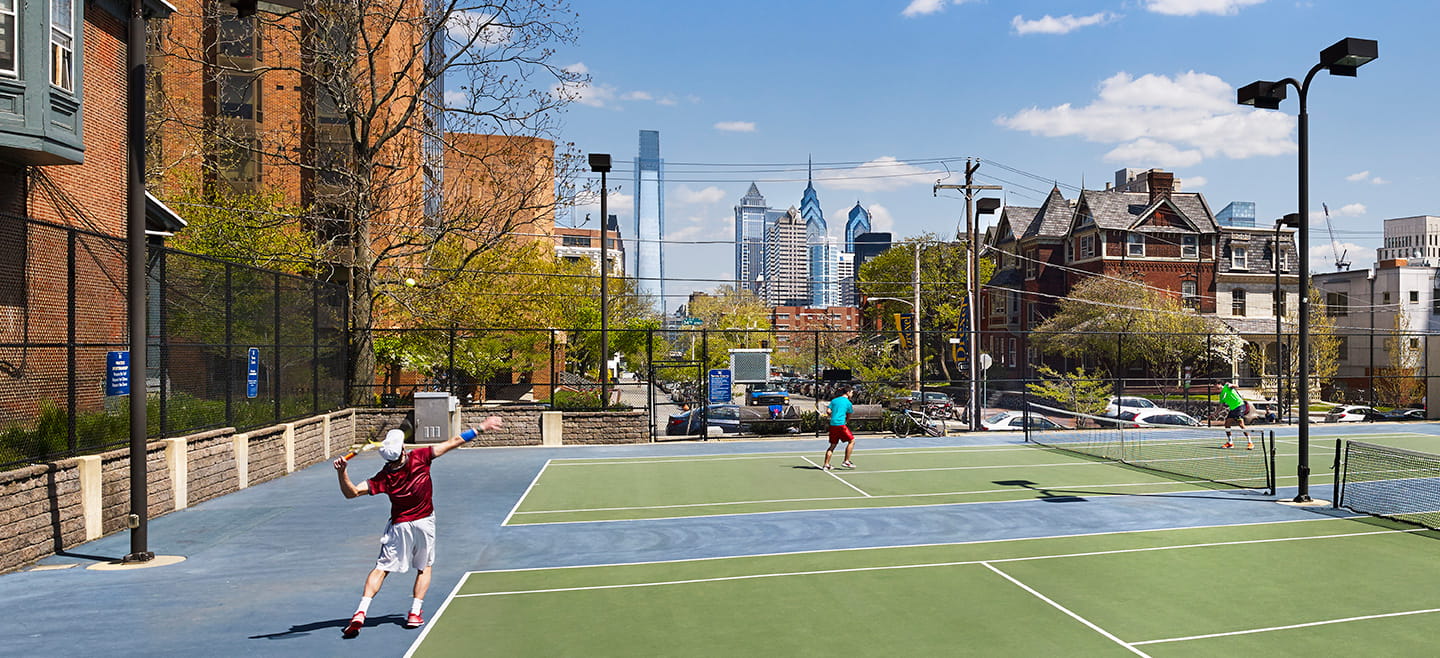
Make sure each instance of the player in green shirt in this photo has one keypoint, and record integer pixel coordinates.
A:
(1236, 406)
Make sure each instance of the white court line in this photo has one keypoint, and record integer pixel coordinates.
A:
(974, 542)
(1065, 487)
(600, 461)
(524, 495)
(927, 565)
(1066, 610)
(1292, 626)
(837, 477)
(430, 623)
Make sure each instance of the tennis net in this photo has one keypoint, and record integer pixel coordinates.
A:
(1187, 451)
(1390, 482)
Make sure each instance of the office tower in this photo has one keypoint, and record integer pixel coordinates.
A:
(846, 273)
(648, 264)
(1238, 213)
(750, 226)
(825, 271)
(787, 265)
(858, 224)
(869, 245)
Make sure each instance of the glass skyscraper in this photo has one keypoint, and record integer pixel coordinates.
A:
(750, 227)
(859, 224)
(648, 264)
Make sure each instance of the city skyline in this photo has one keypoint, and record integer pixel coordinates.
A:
(1153, 86)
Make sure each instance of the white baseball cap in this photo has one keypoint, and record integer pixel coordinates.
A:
(393, 445)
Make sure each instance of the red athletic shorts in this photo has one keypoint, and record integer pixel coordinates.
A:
(840, 433)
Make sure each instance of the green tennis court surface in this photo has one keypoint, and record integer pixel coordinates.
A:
(580, 490)
(1264, 589)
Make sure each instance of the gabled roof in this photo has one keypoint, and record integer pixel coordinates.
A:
(1127, 211)
(1052, 220)
(1014, 222)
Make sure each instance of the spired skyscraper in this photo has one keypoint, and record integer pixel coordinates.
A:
(824, 285)
(859, 224)
(648, 262)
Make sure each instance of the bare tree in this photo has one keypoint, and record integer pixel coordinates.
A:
(420, 125)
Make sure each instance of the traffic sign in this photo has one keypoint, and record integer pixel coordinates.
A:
(692, 322)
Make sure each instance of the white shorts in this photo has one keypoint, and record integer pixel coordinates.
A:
(407, 544)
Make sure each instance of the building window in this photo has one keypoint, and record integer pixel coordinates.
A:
(239, 97)
(1279, 301)
(1189, 295)
(1012, 353)
(1237, 303)
(1343, 349)
(1414, 343)
(1414, 296)
(1337, 304)
(1087, 246)
(1032, 268)
(236, 36)
(1385, 297)
(1435, 301)
(9, 40)
(574, 241)
(1282, 261)
(1189, 246)
(1237, 258)
(62, 44)
(1135, 244)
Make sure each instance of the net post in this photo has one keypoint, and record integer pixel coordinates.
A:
(1339, 476)
(1271, 474)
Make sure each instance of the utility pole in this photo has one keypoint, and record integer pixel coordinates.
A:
(972, 277)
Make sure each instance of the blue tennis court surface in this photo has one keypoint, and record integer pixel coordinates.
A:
(277, 569)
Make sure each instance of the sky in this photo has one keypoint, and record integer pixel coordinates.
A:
(890, 97)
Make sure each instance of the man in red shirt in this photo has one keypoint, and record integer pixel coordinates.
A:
(409, 539)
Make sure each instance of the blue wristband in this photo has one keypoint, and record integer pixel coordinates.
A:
(469, 434)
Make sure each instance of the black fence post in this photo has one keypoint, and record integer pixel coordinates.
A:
(229, 366)
(162, 291)
(72, 441)
(275, 354)
(314, 346)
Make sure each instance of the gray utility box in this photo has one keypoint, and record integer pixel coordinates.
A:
(433, 410)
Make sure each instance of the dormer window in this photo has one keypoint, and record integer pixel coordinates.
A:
(1237, 258)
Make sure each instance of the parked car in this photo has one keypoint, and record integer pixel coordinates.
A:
(761, 396)
(724, 416)
(1160, 418)
(1351, 413)
(1404, 414)
(1131, 404)
(1009, 421)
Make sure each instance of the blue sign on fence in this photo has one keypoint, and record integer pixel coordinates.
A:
(720, 384)
(252, 374)
(117, 373)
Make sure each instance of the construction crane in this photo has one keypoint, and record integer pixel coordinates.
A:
(1340, 263)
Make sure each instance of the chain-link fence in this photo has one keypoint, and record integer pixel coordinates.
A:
(64, 325)
(671, 372)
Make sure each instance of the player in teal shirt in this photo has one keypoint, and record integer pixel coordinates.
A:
(840, 408)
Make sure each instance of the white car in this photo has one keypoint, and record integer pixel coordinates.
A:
(1121, 405)
(1010, 421)
(1161, 418)
(1352, 414)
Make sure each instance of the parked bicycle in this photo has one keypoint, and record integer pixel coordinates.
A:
(909, 422)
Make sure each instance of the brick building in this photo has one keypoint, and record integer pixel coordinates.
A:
(1143, 228)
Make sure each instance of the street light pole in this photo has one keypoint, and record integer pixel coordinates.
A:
(1342, 58)
(600, 162)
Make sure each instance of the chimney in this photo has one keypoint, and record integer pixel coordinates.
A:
(1161, 183)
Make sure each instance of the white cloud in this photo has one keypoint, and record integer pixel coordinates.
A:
(883, 173)
(696, 227)
(637, 96)
(1362, 176)
(1351, 210)
(923, 7)
(1179, 121)
(881, 221)
(667, 102)
(456, 98)
(736, 126)
(586, 91)
(463, 27)
(1194, 7)
(1048, 24)
(710, 194)
(1322, 257)
(1192, 182)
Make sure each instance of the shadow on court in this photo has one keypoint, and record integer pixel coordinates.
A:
(300, 630)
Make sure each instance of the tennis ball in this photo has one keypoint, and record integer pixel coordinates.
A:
(410, 282)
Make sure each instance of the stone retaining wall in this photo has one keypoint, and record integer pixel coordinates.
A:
(49, 508)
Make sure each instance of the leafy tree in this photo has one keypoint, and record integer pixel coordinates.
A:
(1401, 383)
(942, 285)
(1079, 391)
(1119, 323)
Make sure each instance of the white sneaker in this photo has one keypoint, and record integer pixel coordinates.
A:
(847, 464)
(827, 467)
